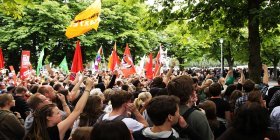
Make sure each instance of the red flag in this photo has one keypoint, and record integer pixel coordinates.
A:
(25, 64)
(149, 67)
(127, 63)
(77, 64)
(115, 61)
(2, 62)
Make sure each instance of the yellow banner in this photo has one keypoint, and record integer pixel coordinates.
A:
(85, 21)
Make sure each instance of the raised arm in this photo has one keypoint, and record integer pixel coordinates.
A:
(169, 73)
(64, 125)
(265, 74)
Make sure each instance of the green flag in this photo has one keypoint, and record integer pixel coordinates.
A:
(40, 61)
(63, 65)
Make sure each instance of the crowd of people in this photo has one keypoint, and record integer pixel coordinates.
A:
(190, 105)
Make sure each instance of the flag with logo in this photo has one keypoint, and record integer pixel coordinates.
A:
(85, 21)
(127, 65)
(114, 60)
(25, 64)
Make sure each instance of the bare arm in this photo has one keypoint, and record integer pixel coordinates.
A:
(242, 77)
(169, 73)
(64, 104)
(64, 125)
(131, 107)
(265, 74)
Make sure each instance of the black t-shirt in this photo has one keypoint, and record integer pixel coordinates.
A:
(270, 94)
(53, 133)
(221, 106)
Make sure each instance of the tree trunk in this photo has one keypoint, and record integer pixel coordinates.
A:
(275, 69)
(255, 65)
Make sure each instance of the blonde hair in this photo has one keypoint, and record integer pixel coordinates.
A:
(143, 97)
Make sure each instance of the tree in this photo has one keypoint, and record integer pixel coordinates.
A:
(231, 14)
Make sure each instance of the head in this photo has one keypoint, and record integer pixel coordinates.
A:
(107, 94)
(43, 117)
(182, 87)
(23, 92)
(34, 88)
(97, 92)
(125, 87)
(57, 87)
(120, 99)
(251, 119)
(37, 101)
(6, 101)
(48, 91)
(82, 133)
(210, 109)
(137, 84)
(158, 82)
(215, 89)
(142, 99)
(118, 131)
(92, 110)
(229, 90)
(164, 109)
(248, 85)
(255, 96)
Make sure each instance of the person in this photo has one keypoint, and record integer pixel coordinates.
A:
(248, 86)
(163, 119)
(21, 95)
(90, 114)
(223, 107)
(35, 101)
(121, 104)
(110, 130)
(217, 125)
(182, 87)
(81, 133)
(143, 98)
(275, 119)
(47, 122)
(11, 125)
(250, 123)
(272, 91)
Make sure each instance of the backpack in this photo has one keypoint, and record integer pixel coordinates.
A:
(138, 135)
(119, 118)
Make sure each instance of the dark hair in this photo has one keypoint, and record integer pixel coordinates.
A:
(229, 90)
(181, 87)
(57, 86)
(125, 87)
(82, 133)
(278, 80)
(215, 89)
(252, 118)
(91, 112)
(110, 130)
(38, 129)
(248, 85)
(158, 82)
(34, 88)
(20, 89)
(233, 97)
(160, 107)
(119, 98)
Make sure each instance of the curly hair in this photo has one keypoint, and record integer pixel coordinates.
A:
(252, 118)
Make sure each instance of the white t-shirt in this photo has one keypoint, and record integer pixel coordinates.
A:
(132, 124)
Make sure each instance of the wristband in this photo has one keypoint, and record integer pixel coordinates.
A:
(87, 90)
